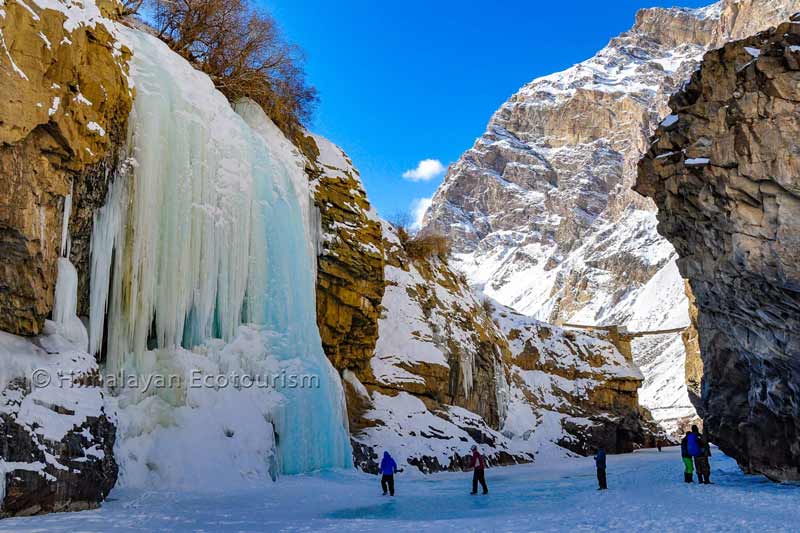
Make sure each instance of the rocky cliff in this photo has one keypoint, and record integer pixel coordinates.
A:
(430, 368)
(64, 103)
(540, 210)
(724, 171)
(451, 369)
(350, 279)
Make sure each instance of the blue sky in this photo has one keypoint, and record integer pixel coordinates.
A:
(402, 82)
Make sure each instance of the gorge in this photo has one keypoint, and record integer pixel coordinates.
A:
(151, 228)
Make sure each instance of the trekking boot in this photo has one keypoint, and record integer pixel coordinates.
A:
(473, 493)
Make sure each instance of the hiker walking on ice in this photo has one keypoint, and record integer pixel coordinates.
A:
(478, 466)
(600, 463)
(388, 469)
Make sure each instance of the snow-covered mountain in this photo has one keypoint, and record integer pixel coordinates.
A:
(540, 210)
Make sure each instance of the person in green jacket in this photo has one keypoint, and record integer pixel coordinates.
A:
(688, 473)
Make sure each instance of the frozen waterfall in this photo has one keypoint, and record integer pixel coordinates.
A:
(202, 258)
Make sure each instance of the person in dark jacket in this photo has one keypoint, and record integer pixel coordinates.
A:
(600, 463)
(687, 459)
(701, 464)
(388, 469)
(478, 466)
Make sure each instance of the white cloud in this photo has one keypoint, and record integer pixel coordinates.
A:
(419, 207)
(427, 169)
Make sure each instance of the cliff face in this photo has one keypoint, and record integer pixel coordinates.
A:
(694, 361)
(64, 104)
(350, 280)
(724, 173)
(540, 210)
(577, 380)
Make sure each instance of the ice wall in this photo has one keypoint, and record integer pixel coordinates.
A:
(205, 245)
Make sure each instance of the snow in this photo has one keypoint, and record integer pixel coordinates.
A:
(404, 335)
(336, 164)
(422, 315)
(697, 161)
(82, 99)
(669, 121)
(646, 493)
(659, 303)
(46, 41)
(229, 431)
(14, 66)
(28, 9)
(54, 107)
(755, 52)
(97, 128)
(50, 405)
(330, 155)
(664, 392)
(77, 13)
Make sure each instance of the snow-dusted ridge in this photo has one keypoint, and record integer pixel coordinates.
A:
(540, 208)
(451, 369)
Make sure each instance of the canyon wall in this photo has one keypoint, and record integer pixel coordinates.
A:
(724, 170)
(64, 105)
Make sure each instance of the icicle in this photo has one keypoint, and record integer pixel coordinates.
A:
(65, 223)
(108, 222)
(65, 304)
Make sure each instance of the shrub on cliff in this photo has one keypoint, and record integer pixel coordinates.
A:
(243, 51)
(428, 246)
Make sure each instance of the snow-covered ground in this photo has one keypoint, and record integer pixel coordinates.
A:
(646, 494)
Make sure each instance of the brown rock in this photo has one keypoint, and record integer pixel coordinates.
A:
(64, 104)
(694, 361)
(350, 265)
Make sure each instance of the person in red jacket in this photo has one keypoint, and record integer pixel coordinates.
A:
(478, 466)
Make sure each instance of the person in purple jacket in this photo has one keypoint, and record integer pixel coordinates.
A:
(388, 469)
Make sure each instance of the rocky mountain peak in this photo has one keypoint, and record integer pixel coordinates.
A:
(540, 210)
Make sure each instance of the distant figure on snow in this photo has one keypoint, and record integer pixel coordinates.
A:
(658, 444)
(478, 466)
(686, 455)
(600, 463)
(701, 459)
(388, 470)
